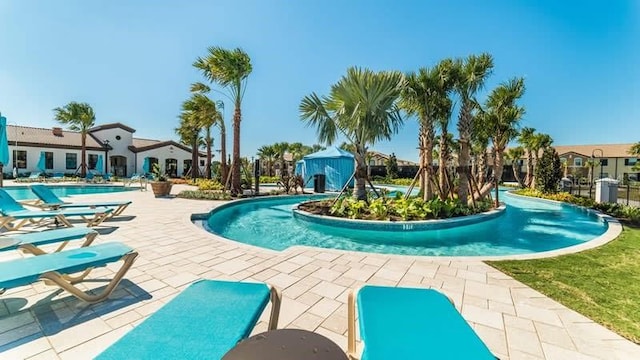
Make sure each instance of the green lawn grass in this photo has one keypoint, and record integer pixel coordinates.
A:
(602, 284)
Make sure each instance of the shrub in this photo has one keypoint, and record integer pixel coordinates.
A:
(269, 179)
(549, 171)
(398, 208)
(206, 184)
(629, 213)
(204, 195)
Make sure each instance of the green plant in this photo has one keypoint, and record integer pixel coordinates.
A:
(548, 171)
(269, 179)
(205, 184)
(158, 174)
(204, 195)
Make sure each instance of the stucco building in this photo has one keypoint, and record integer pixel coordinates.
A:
(123, 153)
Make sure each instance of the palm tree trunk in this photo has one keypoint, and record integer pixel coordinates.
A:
(464, 129)
(207, 168)
(235, 175)
(498, 168)
(195, 169)
(529, 180)
(516, 173)
(360, 192)
(442, 166)
(83, 155)
(426, 158)
(533, 172)
(223, 154)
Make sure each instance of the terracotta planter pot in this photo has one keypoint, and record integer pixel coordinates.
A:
(161, 188)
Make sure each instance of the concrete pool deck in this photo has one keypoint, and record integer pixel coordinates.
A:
(516, 322)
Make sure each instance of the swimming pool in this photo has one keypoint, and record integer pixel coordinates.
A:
(528, 226)
(24, 193)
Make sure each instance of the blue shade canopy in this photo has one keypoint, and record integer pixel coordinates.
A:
(336, 164)
(4, 144)
(99, 164)
(145, 165)
(42, 163)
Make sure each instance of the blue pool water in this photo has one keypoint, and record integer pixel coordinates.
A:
(527, 226)
(24, 193)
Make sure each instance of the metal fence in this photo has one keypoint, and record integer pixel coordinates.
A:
(627, 194)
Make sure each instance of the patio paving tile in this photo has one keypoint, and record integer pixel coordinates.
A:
(515, 321)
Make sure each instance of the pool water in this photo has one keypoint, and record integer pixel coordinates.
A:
(24, 193)
(527, 226)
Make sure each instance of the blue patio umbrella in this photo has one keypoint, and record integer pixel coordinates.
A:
(4, 146)
(99, 164)
(146, 165)
(42, 162)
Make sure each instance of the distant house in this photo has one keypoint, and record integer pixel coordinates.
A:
(379, 159)
(123, 153)
(608, 160)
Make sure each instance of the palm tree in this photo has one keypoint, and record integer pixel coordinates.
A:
(194, 110)
(78, 117)
(281, 149)
(229, 69)
(316, 148)
(471, 74)
(211, 117)
(514, 154)
(363, 108)
(526, 139)
(425, 97)
(444, 147)
(479, 145)
(267, 153)
(502, 116)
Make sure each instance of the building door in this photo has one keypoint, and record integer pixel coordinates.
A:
(171, 166)
(118, 166)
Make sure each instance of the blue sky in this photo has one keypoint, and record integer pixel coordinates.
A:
(131, 60)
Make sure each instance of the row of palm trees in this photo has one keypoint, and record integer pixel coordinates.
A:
(229, 70)
(365, 107)
(276, 152)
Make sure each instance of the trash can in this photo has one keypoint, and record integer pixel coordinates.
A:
(319, 183)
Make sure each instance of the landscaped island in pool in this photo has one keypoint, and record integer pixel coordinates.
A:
(527, 226)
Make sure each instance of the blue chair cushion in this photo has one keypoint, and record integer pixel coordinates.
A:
(203, 322)
(407, 323)
(50, 236)
(28, 270)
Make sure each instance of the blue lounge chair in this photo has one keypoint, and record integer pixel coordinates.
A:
(56, 267)
(11, 211)
(407, 323)
(30, 242)
(49, 200)
(204, 322)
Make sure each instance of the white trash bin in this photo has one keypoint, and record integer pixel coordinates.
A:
(607, 190)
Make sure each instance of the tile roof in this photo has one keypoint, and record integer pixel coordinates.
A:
(138, 142)
(31, 136)
(115, 125)
(608, 150)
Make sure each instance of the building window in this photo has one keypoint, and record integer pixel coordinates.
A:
(201, 162)
(118, 137)
(48, 160)
(186, 166)
(604, 162)
(577, 161)
(20, 159)
(71, 160)
(630, 162)
(93, 159)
